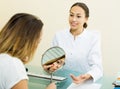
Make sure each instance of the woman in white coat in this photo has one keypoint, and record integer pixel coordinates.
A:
(82, 47)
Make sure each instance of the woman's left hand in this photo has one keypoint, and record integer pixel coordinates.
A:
(81, 78)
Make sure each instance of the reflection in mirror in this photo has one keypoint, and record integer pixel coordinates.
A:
(54, 64)
(53, 59)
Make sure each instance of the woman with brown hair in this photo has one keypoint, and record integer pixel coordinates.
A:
(19, 39)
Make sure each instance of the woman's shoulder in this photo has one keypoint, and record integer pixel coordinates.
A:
(15, 68)
(9, 60)
(12, 64)
(92, 32)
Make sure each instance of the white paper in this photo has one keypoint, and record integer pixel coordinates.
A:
(85, 86)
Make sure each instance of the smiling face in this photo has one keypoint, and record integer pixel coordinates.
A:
(77, 18)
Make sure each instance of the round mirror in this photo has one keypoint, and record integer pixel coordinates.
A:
(53, 59)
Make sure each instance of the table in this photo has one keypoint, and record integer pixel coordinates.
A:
(40, 83)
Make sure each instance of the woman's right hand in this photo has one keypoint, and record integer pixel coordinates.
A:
(51, 86)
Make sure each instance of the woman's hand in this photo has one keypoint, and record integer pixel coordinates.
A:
(51, 86)
(81, 78)
(47, 67)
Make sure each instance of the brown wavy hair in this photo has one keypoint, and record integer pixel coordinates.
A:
(20, 36)
(54, 60)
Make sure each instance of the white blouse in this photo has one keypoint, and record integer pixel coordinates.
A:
(83, 54)
(12, 71)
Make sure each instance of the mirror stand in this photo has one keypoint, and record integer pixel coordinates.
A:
(51, 77)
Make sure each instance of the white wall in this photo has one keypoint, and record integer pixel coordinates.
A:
(104, 16)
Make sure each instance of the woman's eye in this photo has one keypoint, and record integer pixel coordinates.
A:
(78, 16)
(48, 68)
(59, 62)
(71, 15)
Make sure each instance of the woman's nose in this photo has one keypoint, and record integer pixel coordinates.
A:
(58, 66)
(74, 19)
